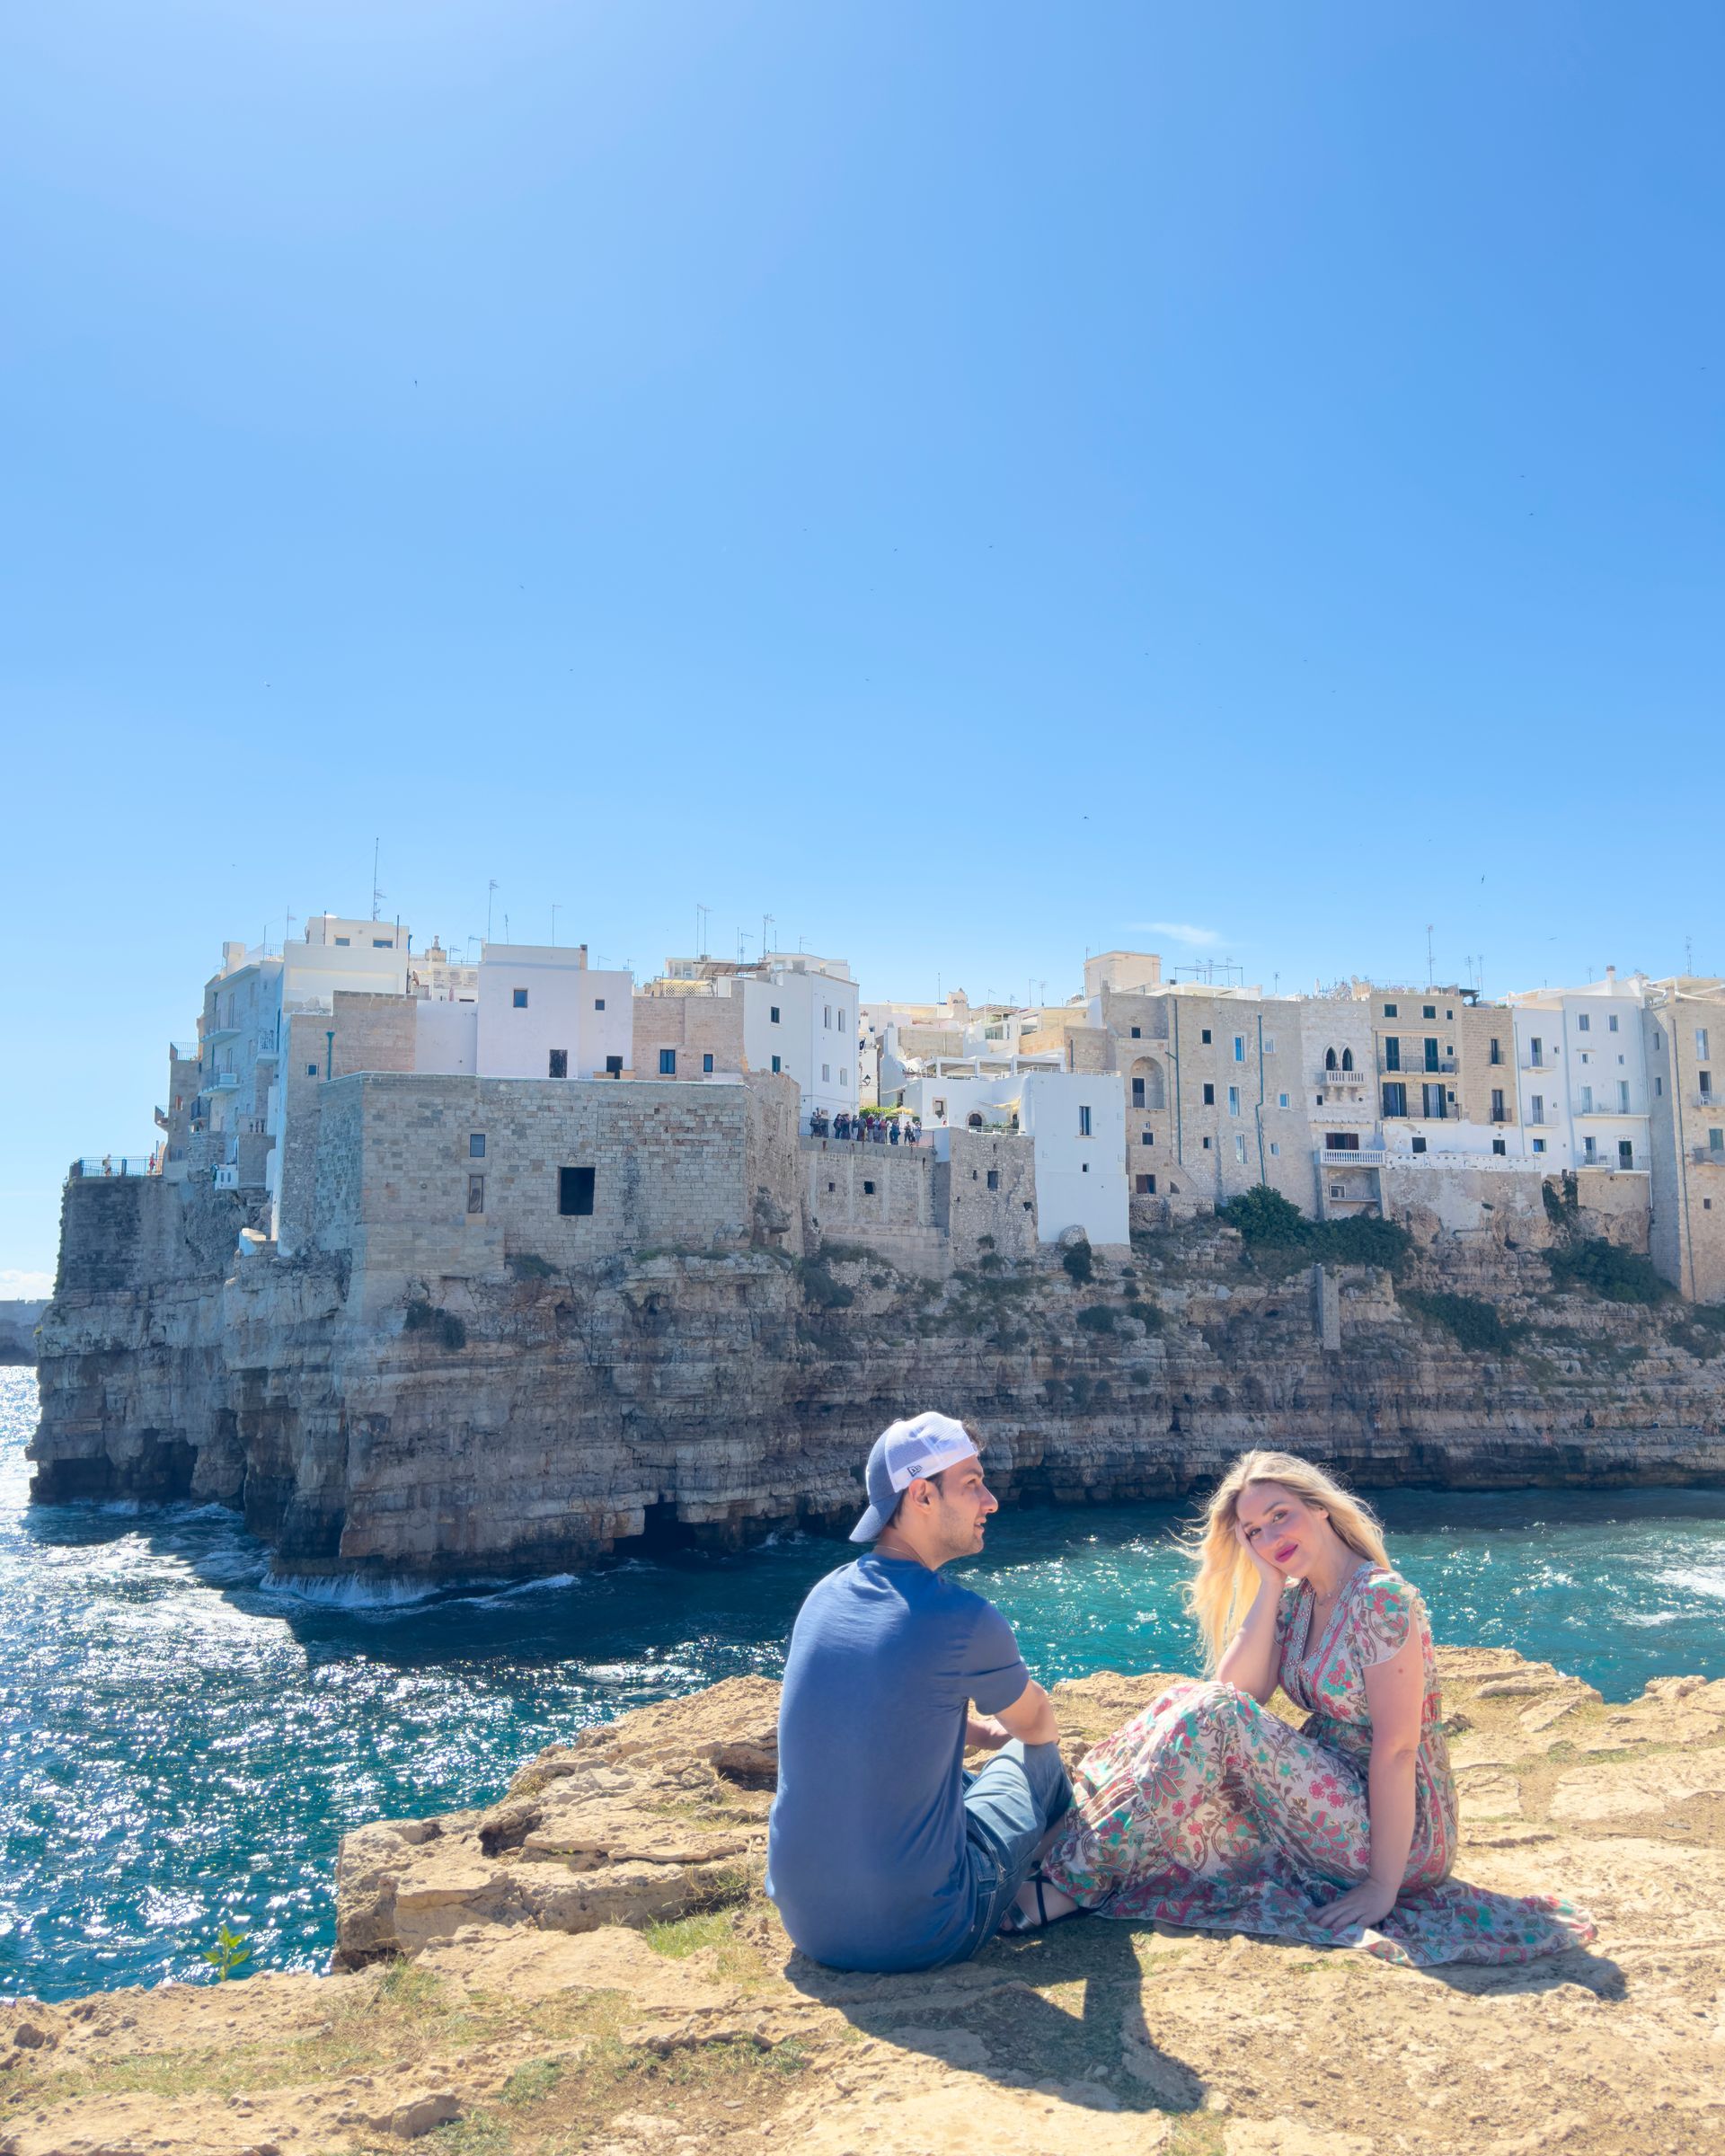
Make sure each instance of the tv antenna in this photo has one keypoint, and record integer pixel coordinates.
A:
(702, 914)
(377, 896)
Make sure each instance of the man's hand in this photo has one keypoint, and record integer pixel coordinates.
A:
(1364, 1905)
(983, 1733)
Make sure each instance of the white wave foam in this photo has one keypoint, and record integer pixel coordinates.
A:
(551, 1582)
(1699, 1579)
(347, 1592)
(1648, 1618)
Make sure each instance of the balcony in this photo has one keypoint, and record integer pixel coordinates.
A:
(225, 1081)
(218, 1034)
(1713, 1104)
(1444, 1067)
(1708, 1157)
(1603, 1108)
(1364, 1156)
(1536, 1063)
(114, 1163)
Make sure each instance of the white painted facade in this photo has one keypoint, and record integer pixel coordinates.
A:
(800, 1016)
(1582, 1075)
(539, 1001)
(1076, 1122)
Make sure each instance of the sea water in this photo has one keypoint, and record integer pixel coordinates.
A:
(184, 1737)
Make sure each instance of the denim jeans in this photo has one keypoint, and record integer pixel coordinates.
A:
(1009, 1806)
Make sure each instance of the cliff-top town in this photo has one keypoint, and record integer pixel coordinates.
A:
(464, 1112)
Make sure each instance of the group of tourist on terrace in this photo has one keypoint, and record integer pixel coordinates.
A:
(866, 1127)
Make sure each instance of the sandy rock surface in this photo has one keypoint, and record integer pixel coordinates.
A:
(588, 1965)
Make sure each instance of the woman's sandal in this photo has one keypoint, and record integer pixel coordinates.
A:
(1014, 1924)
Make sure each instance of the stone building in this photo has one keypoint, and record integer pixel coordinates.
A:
(1683, 1024)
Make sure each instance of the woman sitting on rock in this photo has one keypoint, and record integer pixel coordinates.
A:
(1206, 1809)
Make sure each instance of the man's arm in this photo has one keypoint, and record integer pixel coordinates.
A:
(1031, 1717)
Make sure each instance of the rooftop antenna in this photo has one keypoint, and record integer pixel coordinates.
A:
(506, 928)
(1429, 969)
(767, 921)
(377, 896)
(702, 914)
(1688, 954)
(489, 887)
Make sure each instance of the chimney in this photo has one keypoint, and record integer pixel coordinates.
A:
(581, 956)
(1611, 974)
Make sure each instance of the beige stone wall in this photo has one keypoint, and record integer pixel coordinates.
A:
(977, 1217)
(692, 1027)
(1687, 1241)
(882, 1197)
(1399, 1015)
(1486, 1030)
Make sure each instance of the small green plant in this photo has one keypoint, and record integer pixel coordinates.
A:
(821, 1290)
(444, 1326)
(531, 2083)
(1096, 1317)
(1262, 1215)
(1078, 1261)
(231, 1951)
(1475, 1324)
(1363, 1240)
(525, 1265)
(1614, 1273)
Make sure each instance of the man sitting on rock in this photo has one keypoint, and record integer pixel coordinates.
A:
(883, 1853)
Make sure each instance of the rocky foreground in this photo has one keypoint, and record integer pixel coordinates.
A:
(590, 1966)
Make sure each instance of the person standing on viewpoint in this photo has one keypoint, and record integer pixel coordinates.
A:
(883, 1853)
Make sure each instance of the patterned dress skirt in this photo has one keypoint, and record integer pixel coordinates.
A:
(1210, 1811)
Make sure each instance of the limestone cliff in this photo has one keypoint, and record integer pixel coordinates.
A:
(460, 1425)
(589, 1965)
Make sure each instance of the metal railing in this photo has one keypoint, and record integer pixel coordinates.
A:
(101, 1165)
(1708, 1157)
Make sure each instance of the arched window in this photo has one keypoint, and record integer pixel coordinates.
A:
(1347, 1059)
(974, 1120)
(1328, 1059)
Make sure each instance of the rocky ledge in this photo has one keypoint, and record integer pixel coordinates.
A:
(588, 1964)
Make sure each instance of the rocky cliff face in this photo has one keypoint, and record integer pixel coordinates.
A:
(590, 1965)
(462, 1427)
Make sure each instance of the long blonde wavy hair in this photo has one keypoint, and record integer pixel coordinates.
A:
(1221, 1590)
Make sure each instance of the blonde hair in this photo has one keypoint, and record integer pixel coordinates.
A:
(1221, 1591)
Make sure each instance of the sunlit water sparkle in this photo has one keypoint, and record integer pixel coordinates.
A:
(182, 1740)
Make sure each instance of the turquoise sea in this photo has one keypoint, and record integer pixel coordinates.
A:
(180, 1742)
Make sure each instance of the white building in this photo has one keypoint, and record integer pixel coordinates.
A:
(801, 1017)
(1076, 1122)
(1581, 1075)
(544, 1012)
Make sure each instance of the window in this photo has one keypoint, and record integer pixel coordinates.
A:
(1659, 1085)
(311, 1070)
(940, 1111)
(475, 1193)
(1715, 1140)
(844, 1076)
(1428, 1010)
(1622, 1096)
(1239, 1047)
(994, 1178)
(559, 1063)
(344, 940)
(1395, 1098)
(867, 1189)
(1499, 1145)
(826, 1074)
(1431, 1055)
(1536, 1108)
(1240, 1148)
(1700, 1043)
(1137, 1093)
(598, 1002)
(773, 1014)
(1496, 1055)
(1626, 1154)
(1270, 1044)
(668, 1062)
(1584, 1024)
(1539, 1144)
(613, 1066)
(827, 1016)
(1347, 1059)
(476, 1145)
(1282, 1099)
(1207, 1145)
(1328, 1059)
(383, 942)
(519, 998)
(1498, 1115)
(1234, 1099)
(1138, 1032)
(575, 1191)
(1205, 1037)
(1276, 1151)
(1209, 1096)
(706, 1062)
(1084, 1122)
(1419, 1144)
(1587, 1099)
(1390, 1011)
(1393, 1053)
(1432, 1099)
(776, 1064)
(1706, 1078)
(1587, 1148)
(1149, 1137)
(1449, 1014)
(841, 1021)
(1536, 1053)
(1146, 1186)
(1341, 1141)
(1611, 1023)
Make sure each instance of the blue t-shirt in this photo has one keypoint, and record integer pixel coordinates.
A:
(866, 1850)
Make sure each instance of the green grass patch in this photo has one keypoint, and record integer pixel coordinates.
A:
(1475, 1324)
(1615, 1275)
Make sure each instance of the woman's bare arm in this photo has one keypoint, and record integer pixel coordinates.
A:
(1395, 1693)
(1250, 1660)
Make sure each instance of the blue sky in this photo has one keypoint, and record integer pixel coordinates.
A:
(973, 482)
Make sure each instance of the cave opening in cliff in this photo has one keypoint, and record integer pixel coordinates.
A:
(661, 1532)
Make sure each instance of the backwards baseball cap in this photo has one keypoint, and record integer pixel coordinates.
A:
(923, 1446)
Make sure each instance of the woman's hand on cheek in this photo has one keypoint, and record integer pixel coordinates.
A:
(1261, 1564)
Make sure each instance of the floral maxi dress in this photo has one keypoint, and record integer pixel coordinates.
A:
(1206, 1809)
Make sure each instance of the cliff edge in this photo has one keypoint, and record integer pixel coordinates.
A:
(588, 1964)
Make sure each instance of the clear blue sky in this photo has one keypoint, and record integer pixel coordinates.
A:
(969, 479)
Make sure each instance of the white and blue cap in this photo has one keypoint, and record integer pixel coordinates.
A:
(921, 1446)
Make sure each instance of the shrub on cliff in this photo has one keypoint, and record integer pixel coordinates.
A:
(1617, 1276)
(444, 1326)
(1475, 1324)
(1264, 1219)
(1096, 1317)
(1264, 1215)
(1079, 1261)
(821, 1291)
(1362, 1240)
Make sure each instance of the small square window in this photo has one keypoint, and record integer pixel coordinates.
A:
(994, 1178)
(774, 1014)
(1206, 1037)
(777, 1065)
(1539, 1144)
(1207, 1145)
(477, 1146)
(311, 1070)
(475, 1193)
(867, 1189)
(519, 998)
(559, 1063)
(1419, 1144)
(1428, 1010)
(706, 1062)
(598, 1002)
(383, 942)
(1612, 1022)
(1282, 1099)
(1276, 1151)
(1391, 1010)
(344, 941)
(668, 1062)
(1584, 1024)
(613, 1066)
(1497, 1146)
(1209, 1096)
(575, 1191)
(1149, 1137)
(1138, 1032)
(1146, 1185)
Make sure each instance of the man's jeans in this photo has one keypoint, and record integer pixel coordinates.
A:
(1008, 1806)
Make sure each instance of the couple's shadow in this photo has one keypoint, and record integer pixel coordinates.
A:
(1065, 2009)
